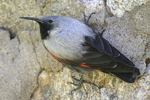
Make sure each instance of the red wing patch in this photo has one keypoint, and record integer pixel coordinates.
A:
(86, 66)
(57, 58)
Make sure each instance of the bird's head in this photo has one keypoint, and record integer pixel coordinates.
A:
(47, 24)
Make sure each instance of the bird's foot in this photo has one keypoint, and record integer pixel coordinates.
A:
(86, 21)
(79, 85)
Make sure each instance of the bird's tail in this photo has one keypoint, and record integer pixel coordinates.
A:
(128, 77)
(124, 72)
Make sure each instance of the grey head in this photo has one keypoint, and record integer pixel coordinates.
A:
(64, 27)
(46, 23)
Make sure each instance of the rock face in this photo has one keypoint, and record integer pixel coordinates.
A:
(27, 71)
(18, 73)
(119, 7)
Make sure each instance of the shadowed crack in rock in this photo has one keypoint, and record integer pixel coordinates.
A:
(32, 94)
(12, 35)
(147, 61)
(18, 39)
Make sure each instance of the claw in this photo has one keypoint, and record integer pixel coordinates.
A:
(78, 85)
(81, 81)
(102, 31)
(72, 83)
(86, 21)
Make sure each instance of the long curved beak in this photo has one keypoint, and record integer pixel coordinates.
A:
(34, 19)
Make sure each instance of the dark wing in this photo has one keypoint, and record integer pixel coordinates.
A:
(92, 57)
(105, 47)
(98, 53)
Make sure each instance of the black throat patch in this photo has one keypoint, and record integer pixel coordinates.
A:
(43, 30)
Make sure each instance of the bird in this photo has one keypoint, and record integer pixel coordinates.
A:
(76, 45)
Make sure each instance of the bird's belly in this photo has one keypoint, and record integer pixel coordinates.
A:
(62, 52)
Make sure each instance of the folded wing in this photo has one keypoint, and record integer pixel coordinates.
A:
(98, 53)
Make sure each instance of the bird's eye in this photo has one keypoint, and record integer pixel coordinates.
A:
(50, 21)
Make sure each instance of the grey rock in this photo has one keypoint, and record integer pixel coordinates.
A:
(27, 71)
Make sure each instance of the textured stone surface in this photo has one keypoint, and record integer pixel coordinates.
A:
(29, 72)
(119, 7)
(18, 67)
